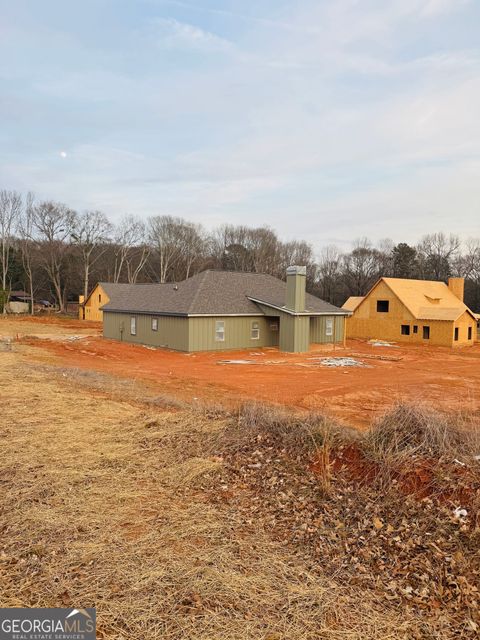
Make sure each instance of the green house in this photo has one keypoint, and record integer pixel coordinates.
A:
(219, 310)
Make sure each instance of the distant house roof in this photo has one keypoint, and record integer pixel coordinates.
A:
(211, 293)
(19, 294)
(352, 303)
(427, 299)
(110, 289)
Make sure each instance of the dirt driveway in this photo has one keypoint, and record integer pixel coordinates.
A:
(449, 379)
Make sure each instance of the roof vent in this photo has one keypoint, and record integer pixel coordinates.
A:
(175, 287)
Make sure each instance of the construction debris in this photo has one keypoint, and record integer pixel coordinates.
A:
(237, 362)
(341, 362)
(381, 343)
(375, 356)
(6, 344)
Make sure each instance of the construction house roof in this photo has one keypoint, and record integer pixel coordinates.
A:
(211, 293)
(352, 303)
(427, 299)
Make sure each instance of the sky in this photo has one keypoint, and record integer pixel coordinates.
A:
(326, 120)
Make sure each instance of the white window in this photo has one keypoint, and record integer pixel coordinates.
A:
(154, 324)
(255, 333)
(133, 326)
(219, 331)
(329, 327)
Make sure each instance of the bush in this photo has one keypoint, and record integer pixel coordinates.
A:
(414, 430)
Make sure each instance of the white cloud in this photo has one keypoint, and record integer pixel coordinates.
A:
(171, 33)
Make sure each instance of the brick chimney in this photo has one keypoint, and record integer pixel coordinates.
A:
(296, 284)
(456, 286)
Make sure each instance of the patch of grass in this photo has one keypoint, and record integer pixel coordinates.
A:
(416, 430)
(300, 433)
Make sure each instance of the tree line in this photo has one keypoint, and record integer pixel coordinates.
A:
(53, 252)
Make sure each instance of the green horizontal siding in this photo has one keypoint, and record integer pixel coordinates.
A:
(237, 333)
(172, 331)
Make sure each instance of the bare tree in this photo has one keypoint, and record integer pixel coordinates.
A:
(27, 246)
(467, 264)
(436, 253)
(10, 211)
(192, 244)
(90, 234)
(328, 273)
(263, 246)
(362, 267)
(230, 245)
(131, 250)
(54, 223)
(165, 235)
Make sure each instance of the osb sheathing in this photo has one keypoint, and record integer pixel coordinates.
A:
(93, 306)
(367, 323)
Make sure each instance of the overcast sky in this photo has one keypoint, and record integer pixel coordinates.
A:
(327, 120)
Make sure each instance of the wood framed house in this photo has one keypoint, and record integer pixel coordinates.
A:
(415, 311)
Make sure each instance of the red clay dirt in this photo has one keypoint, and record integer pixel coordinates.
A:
(447, 378)
(59, 321)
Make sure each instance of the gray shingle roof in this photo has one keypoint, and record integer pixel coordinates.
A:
(209, 293)
(110, 289)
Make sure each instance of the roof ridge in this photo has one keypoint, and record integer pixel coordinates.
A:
(202, 275)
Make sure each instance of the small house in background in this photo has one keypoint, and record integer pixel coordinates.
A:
(417, 311)
(218, 310)
(91, 308)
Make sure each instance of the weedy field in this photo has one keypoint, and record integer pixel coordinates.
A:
(202, 523)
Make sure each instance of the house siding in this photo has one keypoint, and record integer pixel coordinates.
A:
(92, 309)
(294, 333)
(237, 333)
(318, 329)
(172, 331)
(464, 323)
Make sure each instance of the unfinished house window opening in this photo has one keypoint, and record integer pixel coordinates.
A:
(255, 333)
(219, 331)
(329, 327)
(99, 297)
(469, 333)
(415, 328)
(133, 326)
(405, 329)
(154, 324)
(426, 333)
(456, 334)
(383, 306)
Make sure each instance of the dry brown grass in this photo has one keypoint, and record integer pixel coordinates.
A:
(298, 432)
(411, 430)
(103, 504)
